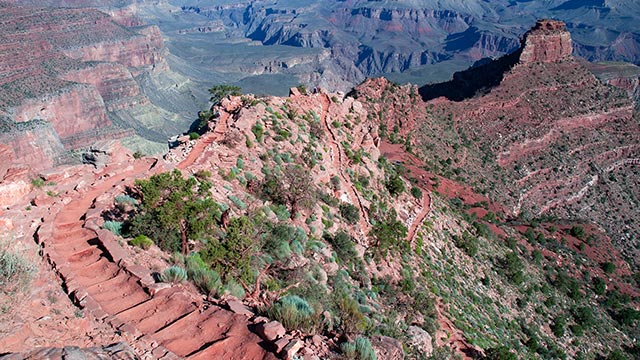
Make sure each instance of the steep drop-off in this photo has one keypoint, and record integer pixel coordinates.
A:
(546, 137)
(88, 78)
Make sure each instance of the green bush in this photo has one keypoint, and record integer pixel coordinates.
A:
(141, 241)
(577, 231)
(350, 213)
(416, 192)
(174, 274)
(230, 256)
(193, 135)
(511, 267)
(113, 226)
(295, 312)
(388, 234)
(395, 185)
(282, 240)
(584, 316)
(258, 131)
(37, 182)
(599, 286)
(360, 349)
(500, 353)
(233, 288)
(123, 199)
(467, 242)
(343, 245)
(609, 267)
(16, 272)
(237, 202)
(205, 279)
(558, 325)
(352, 320)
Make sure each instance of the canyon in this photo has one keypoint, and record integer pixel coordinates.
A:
(489, 215)
(74, 77)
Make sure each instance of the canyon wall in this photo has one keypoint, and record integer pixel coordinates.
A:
(77, 69)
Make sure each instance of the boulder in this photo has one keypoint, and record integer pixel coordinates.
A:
(270, 331)
(292, 349)
(420, 340)
(387, 348)
(239, 308)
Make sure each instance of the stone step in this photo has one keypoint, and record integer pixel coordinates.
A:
(166, 307)
(83, 257)
(118, 294)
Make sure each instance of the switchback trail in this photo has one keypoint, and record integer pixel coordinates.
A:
(338, 161)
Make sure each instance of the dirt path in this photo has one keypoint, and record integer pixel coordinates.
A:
(174, 319)
(452, 337)
(205, 140)
(338, 161)
(417, 223)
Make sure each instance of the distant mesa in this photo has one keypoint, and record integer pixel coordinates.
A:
(547, 42)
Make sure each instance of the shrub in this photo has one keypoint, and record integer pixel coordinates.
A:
(174, 274)
(500, 353)
(231, 255)
(389, 234)
(37, 182)
(258, 131)
(349, 350)
(295, 312)
(221, 91)
(627, 316)
(141, 241)
(350, 213)
(577, 231)
(233, 288)
(113, 226)
(416, 192)
(123, 199)
(16, 272)
(395, 185)
(335, 182)
(360, 349)
(599, 286)
(467, 242)
(281, 212)
(237, 202)
(558, 325)
(343, 245)
(584, 316)
(205, 279)
(352, 321)
(193, 135)
(511, 267)
(609, 267)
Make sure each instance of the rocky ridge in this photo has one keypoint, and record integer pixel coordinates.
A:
(547, 124)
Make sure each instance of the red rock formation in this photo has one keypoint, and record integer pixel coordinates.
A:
(76, 110)
(548, 41)
(46, 80)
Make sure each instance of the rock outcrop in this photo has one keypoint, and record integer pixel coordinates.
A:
(548, 41)
(117, 351)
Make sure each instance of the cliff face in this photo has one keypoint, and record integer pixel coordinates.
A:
(548, 41)
(76, 69)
